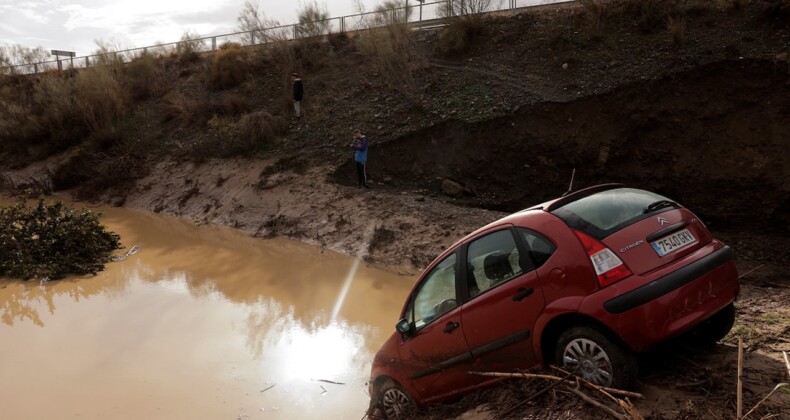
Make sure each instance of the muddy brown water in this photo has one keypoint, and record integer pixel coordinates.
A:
(203, 323)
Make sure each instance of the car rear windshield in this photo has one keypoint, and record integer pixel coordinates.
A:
(601, 214)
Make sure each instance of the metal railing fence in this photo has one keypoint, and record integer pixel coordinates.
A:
(421, 15)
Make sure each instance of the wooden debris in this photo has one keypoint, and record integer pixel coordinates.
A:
(629, 411)
(330, 382)
(739, 396)
(556, 378)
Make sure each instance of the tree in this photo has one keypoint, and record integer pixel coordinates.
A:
(313, 20)
(253, 22)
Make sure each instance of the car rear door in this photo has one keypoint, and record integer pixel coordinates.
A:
(504, 299)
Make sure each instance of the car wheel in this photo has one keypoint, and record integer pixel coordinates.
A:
(395, 403)
(596, 358)
(715, 328)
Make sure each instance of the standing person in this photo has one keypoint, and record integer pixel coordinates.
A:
(360, 145)
(298, 94)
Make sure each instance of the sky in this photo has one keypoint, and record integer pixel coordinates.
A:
(75, 25)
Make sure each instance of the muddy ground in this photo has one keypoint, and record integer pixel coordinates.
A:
(502, 127)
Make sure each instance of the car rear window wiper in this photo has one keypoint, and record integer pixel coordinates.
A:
(660, 204)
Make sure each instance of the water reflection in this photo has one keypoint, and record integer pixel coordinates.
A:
(195, 326)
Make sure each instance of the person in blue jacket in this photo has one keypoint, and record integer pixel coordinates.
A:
(360, 146)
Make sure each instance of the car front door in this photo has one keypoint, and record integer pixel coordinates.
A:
(503, 299)
(434, 354)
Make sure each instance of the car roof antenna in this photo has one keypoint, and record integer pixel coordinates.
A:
(570, 187)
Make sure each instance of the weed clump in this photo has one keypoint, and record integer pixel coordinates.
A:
(51, 241)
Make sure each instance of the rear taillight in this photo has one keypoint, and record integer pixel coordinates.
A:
(608, 266)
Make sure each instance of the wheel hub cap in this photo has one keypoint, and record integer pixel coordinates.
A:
(396, 403)
(588, 360)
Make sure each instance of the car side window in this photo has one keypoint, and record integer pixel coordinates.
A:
(491, 260)
(436, 295)
(540, 248)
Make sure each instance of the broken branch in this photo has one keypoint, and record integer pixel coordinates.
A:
(787, 363)
(778, 387)
(739, 396)
(596, 403)
(604, 389)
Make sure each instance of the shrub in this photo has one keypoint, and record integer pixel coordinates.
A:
(229, 68)
(261, 127)
(189, 47)
(142, 77)
(51, 241)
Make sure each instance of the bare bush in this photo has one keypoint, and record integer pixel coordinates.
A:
(19, 55)
(464, 21)
(313, 20)
(393, 13)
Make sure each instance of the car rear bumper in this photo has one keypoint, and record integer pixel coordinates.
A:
(670, 304)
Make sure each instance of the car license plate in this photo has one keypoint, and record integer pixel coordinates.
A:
(673, 242)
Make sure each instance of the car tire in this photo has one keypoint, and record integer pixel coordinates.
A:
(593, 356)
(394, 402)
(713, 329)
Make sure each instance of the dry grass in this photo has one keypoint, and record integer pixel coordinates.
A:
(142, 77)
(99, 97)
(676, 27)
(187, 111)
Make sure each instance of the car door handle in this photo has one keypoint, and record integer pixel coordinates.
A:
(451, 326)
(522, 294)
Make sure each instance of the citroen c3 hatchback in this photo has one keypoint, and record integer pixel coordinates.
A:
(585, 281)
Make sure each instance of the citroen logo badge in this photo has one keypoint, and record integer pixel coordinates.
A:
(662, 221)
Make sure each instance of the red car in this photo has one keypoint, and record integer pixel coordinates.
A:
(585, 281)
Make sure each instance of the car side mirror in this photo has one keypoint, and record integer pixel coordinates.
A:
(404, 328)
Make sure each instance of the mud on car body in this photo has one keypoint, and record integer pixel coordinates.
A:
(585, 281)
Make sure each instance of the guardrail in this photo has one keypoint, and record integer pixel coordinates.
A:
(421, 15)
